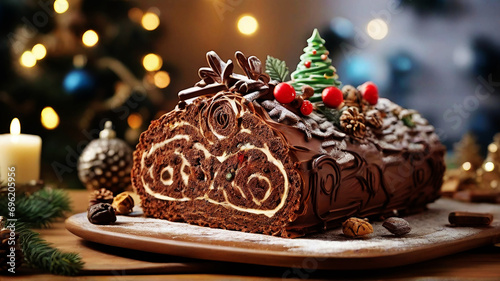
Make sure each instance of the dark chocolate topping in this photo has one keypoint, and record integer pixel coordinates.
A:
(220, 77)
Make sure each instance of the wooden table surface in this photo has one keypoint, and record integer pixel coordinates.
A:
(111, 263)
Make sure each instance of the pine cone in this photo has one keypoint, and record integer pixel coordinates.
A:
(101, 196)
(374, 119)
(5, 261)
(353, 123)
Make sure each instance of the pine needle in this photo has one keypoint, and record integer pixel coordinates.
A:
(38, 210)
(41, 254)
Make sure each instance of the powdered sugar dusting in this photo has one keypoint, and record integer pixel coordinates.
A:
(428, 228)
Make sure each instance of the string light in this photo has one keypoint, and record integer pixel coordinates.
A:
(161, 79)
(28, 59)
(466, 166)
(152, 62)
(49, 118)
(61, 6)
(247, 25)
(134, 120)
(90, 38)
(489, 166)
(150, 21)
(377, 29)
(39, 51)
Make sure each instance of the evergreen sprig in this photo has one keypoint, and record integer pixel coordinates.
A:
(39, 210)
(41, 254)
(42, 207)
(276, 69)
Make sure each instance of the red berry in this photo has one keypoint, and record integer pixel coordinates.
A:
(314, 52)
(284, 93)
(307, 64)
(332, 97)
(306, 108)
(369, 92)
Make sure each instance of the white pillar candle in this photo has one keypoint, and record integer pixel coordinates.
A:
(21, 151)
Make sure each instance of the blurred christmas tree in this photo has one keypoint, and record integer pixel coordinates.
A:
(70, 65)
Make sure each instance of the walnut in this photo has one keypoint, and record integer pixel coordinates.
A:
(101, 196)
(123, 203)
(374, 119)
(353, 123)
(355, 227)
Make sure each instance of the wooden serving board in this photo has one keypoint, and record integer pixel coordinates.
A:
(431, 237)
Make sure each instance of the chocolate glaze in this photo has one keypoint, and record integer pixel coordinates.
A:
(394, 168)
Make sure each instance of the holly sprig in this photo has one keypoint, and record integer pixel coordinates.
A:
(332, 115)
(276, 69)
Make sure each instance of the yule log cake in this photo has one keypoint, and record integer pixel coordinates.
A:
(252, 153)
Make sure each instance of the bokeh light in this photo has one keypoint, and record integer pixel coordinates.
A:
(135, 14)
(492, 148)
(28, 59)
(134, 120)
(161, 79)
(248, 25)
(489, 166)
(39, 51)
(61, 6)
(466, 166)
(377, 29)
(49, 118)
(150, 21)
(90, 38)
(152, 62)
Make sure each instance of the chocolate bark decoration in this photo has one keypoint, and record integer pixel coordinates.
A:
(220, 77)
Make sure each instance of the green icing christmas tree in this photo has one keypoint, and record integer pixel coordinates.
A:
(315, 68)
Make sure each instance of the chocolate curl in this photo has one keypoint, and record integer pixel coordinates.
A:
(219, 77)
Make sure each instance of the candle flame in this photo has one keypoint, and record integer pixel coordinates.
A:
(15, 127)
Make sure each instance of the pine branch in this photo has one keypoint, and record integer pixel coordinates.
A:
(276, 69)
(41, 254)
(41, 208)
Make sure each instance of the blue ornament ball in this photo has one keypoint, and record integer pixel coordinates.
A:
(78, 82)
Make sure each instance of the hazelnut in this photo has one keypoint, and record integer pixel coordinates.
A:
(123, 203)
